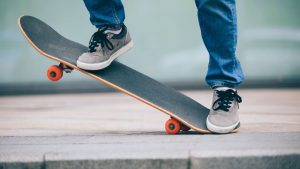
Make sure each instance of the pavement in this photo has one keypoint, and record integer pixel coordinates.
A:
(112, 130)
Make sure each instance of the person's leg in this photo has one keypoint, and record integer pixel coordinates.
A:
(112, 38)
(105, 12)
(218, 22)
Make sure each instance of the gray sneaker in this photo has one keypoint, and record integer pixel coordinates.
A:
(223, 116)
(104, 47)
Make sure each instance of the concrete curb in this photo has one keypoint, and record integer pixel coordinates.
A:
(247, 160)
(263, 159)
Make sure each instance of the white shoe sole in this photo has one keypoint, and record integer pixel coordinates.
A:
(218, 129)
(102, 65)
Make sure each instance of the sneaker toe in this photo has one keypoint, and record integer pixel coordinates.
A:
(90, 58)
(222, 119)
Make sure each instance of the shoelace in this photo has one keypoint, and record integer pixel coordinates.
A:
(100, 37)
(225, 99)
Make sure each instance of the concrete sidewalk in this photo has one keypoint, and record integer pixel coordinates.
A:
(112, 130)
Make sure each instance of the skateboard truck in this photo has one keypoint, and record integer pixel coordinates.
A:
(66, 68)
(55, 73)
(174, 126)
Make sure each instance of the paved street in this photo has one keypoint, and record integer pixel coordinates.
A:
(112, 130)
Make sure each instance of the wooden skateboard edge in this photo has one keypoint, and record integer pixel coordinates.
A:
(111, 84)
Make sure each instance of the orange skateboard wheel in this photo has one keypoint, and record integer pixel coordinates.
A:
(184, 127)
(54, 73)
(172, 126)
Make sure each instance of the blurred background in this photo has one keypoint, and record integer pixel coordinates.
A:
(166, 36)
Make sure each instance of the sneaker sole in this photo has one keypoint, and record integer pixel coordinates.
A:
(221, 130)
(102, 65)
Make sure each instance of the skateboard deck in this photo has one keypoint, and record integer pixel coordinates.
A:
(184, 110)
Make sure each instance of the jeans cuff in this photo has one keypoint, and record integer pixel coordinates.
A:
(111, 26)
(219, 84)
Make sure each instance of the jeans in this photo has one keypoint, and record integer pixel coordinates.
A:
(218, 23)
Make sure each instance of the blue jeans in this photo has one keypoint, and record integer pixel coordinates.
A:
(218, 22)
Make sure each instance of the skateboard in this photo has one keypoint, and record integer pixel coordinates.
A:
(185, 113)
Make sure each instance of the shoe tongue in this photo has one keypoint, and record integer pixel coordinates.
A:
(223, 88)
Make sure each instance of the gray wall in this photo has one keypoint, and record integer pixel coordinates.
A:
(167, 41)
